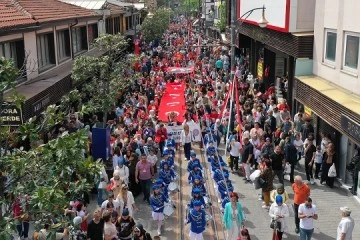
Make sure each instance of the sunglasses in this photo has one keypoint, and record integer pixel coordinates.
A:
(124, 189)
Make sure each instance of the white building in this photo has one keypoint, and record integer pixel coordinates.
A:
(332, 95)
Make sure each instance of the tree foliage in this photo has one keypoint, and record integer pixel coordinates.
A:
(153, 28)
(102, 77)
(221, 24)
(188, 6)
(51, 175)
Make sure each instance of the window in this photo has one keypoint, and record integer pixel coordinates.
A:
(45, 51)
(330, 45)
(351, 53)
(63, 42)
(92, 33)
(79, 39)
(116, 25)
(13, 50)
(109, 26)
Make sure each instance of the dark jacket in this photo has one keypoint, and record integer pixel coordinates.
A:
(290, 153)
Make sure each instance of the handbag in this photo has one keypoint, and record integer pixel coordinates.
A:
(262, 182)
(157, 139)
(332, 171)
(275, 224)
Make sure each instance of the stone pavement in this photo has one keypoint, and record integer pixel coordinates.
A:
(327, 200)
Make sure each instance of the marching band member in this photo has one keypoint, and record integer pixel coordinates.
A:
(157, 201)
(170, 139)
(166, 173)
(195, 172)
(163, 187)
(196, 218)
(227, 198)
(209, 136)
(216, 160)
(199, 184)
(196, 196)
(211, 149)
(193, 160)
(165, 158)
(223, 185)
(170, 148)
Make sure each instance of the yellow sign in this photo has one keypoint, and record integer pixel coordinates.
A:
(260, 70)
(307, 111)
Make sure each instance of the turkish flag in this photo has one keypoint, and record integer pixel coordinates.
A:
(172, 101)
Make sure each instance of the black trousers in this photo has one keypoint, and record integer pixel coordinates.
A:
(234, 162)
(308, 169)
(297, 220)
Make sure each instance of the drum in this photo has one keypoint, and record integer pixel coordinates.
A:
(208, 217)
(172, 186)
(168, 210)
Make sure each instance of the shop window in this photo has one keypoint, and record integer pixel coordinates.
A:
(63, 45)
(351, 52)
(79, 39)
(330, 45)
(45, 51)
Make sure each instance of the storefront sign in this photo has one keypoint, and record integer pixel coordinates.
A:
(307, 111)
(41, 104)
(260, 70)
(350, 127)
(11, 115)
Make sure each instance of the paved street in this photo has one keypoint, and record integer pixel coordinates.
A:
(328, 202)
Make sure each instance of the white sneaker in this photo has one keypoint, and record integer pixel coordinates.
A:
(312, 181)
(159, 232)
(265, 207)
(260, 199)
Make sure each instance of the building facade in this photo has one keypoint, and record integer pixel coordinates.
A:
(332, 94)
(284, 47)
(44, 41)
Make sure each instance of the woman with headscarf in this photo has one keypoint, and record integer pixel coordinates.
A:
(140, 233)
(123, 171)
(233, 217)
(280, 190)
(278, 212)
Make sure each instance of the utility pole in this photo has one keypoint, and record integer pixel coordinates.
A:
(233, 37)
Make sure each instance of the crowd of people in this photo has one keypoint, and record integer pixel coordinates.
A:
(143, 162)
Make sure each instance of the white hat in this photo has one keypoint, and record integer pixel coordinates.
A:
(345, 209)
(77, 220)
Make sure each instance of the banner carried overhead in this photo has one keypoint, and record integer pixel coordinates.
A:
(173, 102)
(180, 69)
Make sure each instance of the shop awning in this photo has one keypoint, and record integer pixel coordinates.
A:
(340, 95)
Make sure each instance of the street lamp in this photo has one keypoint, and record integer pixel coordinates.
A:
(262, 23)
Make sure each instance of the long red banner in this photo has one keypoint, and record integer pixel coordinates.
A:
(173, 100)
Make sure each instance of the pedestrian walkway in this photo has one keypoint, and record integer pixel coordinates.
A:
(327, 200)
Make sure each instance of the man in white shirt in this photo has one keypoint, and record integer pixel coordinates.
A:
(346, 225)
(307, 214)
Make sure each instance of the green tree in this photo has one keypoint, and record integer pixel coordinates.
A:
(189, 7)
(153, 28)
(101, 77)
(221, 24)
(51, 175)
